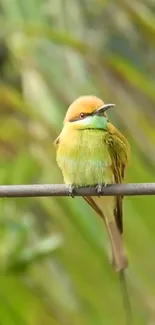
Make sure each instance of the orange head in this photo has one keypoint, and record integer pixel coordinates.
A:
(86, 112)
(85, 106)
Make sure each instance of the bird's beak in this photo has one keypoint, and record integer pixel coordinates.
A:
(102, 109)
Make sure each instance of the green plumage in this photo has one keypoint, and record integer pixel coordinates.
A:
(92, 151)
(89, 158)
(86, 159)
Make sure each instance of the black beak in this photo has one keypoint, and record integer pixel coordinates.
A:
(102, 109)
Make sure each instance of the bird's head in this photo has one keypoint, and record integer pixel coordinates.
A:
(87, 112)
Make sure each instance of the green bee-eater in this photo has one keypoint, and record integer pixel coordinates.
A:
(91, 151)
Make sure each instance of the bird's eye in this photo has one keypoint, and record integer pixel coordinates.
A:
(82, 115)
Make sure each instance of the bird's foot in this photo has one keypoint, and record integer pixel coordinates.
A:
(71, 190)
(99, 188)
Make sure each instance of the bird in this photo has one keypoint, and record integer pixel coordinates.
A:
(90, 151)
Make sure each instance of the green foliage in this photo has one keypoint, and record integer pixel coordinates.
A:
(53, 251)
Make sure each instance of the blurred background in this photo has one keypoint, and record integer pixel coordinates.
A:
(53, 251)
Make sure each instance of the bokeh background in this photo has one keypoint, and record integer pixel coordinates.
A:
(54, 268)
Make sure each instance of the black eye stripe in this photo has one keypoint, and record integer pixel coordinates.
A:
(78, 118)
(85, 115)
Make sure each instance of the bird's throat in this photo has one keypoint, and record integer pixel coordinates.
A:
(92, 122)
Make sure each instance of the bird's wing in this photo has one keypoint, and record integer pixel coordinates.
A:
(118, 149)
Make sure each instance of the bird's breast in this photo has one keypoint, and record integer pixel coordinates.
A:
(84, 158)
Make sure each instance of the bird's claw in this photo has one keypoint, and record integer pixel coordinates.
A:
(99, 188)
(71, 191)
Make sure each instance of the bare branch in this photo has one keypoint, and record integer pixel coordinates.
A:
(63, 190)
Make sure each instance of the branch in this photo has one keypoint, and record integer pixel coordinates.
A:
(63, 190)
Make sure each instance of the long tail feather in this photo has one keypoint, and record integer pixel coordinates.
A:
(119, 259)
(118, 254)
(126, 300)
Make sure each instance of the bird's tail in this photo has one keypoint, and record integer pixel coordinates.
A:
(119, 259)
(120, 263)
(126, 300)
